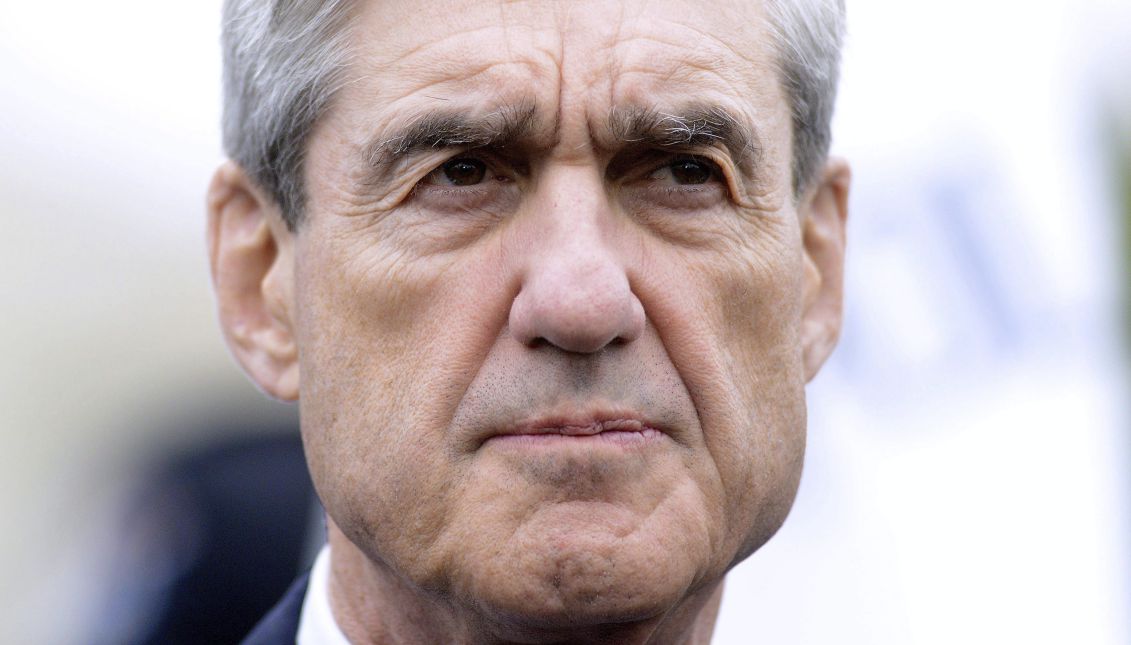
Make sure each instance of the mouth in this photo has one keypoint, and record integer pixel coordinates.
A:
(588, 431)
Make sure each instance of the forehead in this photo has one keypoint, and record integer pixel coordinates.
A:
(576, 60)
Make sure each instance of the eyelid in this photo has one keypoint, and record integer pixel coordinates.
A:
(471, 153)
(435, 176)
(716, 169)
(495, 193)
(652, 161)
(729, 175)
(497, 163)
(637, 164)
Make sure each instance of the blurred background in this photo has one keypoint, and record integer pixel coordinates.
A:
(967, 477)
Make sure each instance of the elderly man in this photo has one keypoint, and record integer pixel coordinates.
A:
(547, 280)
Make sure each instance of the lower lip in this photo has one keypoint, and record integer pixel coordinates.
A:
(617, 438)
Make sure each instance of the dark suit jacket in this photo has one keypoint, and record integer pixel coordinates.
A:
(233, 495)
(280, 625)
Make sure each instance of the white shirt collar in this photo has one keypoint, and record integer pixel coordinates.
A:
(316, 624)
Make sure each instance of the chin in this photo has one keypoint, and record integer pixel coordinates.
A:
(551, 614)
(587, 583)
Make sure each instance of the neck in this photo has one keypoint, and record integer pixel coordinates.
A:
(373, 605)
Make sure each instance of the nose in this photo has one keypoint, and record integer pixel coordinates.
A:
(575, 293)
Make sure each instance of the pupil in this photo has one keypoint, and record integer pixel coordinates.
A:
(689, 171)
(465, 172)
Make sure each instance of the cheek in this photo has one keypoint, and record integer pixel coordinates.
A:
(356, 335)
(732, 331)
(387, 348)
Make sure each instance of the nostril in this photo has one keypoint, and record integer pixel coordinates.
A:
(538, 343)
(573, 328)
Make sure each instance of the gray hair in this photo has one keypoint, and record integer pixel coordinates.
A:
(807, 37)
(284, 62)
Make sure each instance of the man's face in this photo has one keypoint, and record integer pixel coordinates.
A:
(548, 301)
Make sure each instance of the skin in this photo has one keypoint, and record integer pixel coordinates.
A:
(559, 403)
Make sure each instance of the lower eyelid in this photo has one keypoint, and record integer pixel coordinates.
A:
(492, 196)
(455, 191)
(443, 191)
(693, 197)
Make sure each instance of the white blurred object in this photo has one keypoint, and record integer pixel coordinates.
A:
(967, 476)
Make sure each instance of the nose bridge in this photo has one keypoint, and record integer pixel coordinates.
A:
(575, 291)
(574, 223)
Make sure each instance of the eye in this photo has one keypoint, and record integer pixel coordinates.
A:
(461, 171)
(471, 180)
(687, 171)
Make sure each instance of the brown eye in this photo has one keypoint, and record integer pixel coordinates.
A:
(689, 171)
(464, 171)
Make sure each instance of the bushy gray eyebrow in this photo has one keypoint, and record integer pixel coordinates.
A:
(691, 127)
(516, 126)
(505, 127)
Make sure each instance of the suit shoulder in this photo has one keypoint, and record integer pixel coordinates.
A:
(280, 625)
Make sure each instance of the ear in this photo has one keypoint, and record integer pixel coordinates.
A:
(824, 213)
(251, 255)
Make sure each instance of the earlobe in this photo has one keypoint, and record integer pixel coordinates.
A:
(824, 216)
(250, 254)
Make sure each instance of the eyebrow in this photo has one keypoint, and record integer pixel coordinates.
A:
(513, 126)
(692, 126)
(507, 126)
